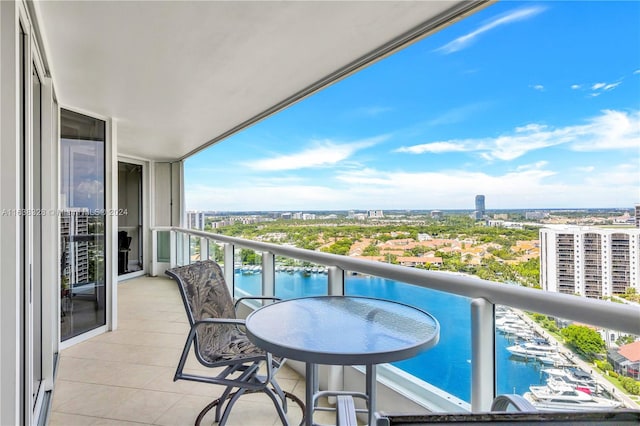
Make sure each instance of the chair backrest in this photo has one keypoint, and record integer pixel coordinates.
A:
(205, 295)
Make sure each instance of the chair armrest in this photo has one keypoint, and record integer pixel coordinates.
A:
(235, 305)
(217, 321)
(503, 402)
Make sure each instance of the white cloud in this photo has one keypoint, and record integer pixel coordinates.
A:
(538, 87)
(534, 166)
(322, 154)
(576, 86)
(457, 115)
(585, 169)
(612, 130)
(636, 72)
(266, 196)
(466, 40)
(603, 87)
(435, 147)
(625, 175)
(528, 186)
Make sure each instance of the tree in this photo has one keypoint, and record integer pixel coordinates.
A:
(340, 247)
(250, 257)
(584, 340)
(371, 250)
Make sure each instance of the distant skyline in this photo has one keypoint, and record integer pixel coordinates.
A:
(532, 104)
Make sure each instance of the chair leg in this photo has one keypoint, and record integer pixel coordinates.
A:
(279, 408)
(227, 410)
(280, 392)
(223, 400)
(205, 410)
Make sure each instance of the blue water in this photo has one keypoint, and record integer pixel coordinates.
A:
(448, 364)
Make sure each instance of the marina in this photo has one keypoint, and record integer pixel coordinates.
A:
(524, 357)
(558, 395)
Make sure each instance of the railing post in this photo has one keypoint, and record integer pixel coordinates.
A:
(204, 248)
(483, 365)
(335, 281)
(186, 246)
(268, 274)
(154, 253)
(229, 266)
(173, 250)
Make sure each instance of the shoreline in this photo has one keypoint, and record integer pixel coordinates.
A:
(615, 393)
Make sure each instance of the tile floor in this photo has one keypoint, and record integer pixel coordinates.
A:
(125, 377)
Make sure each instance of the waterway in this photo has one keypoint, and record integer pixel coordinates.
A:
(447, 365)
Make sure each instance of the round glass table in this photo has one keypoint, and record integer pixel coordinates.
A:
(342, 330)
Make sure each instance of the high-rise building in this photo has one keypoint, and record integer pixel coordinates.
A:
(591, 262)
(195, 220)
(74, 233)
(480, 210)
(637, 215)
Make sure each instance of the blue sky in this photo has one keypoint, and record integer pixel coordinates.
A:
(533, 104)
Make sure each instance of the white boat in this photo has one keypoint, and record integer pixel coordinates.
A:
(573, 376)
(558, 396)
(526, 334)
(511, 326)
(535, 349)
(506, 315)
(556, 359)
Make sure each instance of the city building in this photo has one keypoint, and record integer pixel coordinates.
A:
(375, 214)
(436, 214)
(591, 262)
(626, 359)
(637, 215)
(74, 228)
(536, 215)
(480, 208)
(195, 220)
(303, 216)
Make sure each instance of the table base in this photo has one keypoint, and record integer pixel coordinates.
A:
(313, 393)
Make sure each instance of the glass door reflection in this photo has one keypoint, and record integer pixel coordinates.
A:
(82, 224)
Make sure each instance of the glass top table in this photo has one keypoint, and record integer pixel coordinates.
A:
(342, 330)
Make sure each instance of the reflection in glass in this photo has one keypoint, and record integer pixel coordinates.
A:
(82, 224)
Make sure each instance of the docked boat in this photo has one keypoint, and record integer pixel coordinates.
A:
(511, 325)
(555, 359)
(558, 396)
(535, 349)
(573, 376)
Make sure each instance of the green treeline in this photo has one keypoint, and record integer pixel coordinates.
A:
(337, 236)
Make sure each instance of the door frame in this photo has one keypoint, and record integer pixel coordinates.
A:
(145, 231)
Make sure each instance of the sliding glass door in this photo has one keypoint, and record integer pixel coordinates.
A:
(82, 224)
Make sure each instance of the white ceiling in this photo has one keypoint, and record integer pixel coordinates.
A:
(177, 75)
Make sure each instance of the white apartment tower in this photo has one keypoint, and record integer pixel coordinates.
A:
(591, 262)
(195, 220)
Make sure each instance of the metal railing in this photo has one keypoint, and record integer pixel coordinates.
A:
(484, 295)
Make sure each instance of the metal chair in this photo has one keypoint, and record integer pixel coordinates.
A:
(218, 341)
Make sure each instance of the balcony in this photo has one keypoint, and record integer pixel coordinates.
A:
(126, 376)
